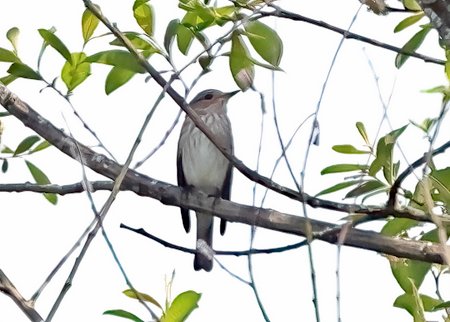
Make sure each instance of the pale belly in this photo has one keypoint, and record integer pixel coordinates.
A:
(204, 166)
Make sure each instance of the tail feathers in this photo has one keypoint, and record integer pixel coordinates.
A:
(203, 262)
(204, 256)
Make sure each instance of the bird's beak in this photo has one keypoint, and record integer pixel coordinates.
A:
(231, 94)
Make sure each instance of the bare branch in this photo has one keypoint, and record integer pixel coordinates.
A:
(27, 307)
(281, 13)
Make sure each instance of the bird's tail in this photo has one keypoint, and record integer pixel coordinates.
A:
(204, 257)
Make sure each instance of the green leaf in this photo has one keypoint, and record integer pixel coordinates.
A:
(442, 305)
(75, 73)
(398, 226)
(336, 168)
(171, 32)
(405, 23)
(13, 36)
(56, 43)
(24, 71)
(89, 23)
(43, 48)
(362, 131)
(184, 39)
(426, 124)
(225, 14)
(143, 13)
(4, 165)
(411, 46)
(118, 58)
(41, 146)
(265, 41)
(8, 79)
(116, 78)
(141, 296)
(441, 182)
(7, 150)
(124, 314)
(406, 271)
(384, 155)
(8, 56)
(26, 144)
(137, 42)
(366, 187)
(41, 179)
(241, 66)
(416, 305)
(348, 149)
(338, 187)
(411, 5)
(181, 307)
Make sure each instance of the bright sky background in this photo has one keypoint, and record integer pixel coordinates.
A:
(35, 235)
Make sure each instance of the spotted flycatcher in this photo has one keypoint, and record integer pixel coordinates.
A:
(202, 166)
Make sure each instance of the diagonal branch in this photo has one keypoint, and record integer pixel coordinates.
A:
(27, 307)
(281, 13)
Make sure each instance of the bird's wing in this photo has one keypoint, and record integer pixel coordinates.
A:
(182, 183)
(226, 192)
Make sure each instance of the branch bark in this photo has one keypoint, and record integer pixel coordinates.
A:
(198, 201)
(27, 307)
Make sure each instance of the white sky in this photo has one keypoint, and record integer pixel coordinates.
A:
(35, 235)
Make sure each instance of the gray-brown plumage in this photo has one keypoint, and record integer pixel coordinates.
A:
(201, 165)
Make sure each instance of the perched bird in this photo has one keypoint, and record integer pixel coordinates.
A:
(201, 165)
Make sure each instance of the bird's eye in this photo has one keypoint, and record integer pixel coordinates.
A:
(208, 96)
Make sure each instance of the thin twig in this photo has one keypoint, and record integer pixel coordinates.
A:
(281, 13)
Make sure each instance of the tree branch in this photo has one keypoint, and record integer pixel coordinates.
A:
(27, 307)
(281, 13)
(234, 212)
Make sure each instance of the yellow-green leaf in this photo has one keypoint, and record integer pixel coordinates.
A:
(8, 79)
(265, 41)
(41, 179)
(241, 66)
(137, 42)
(26, 144)
(339, 186)
(336, 168)
(405, 23)
(116, 57)
(116, 78)
(73, 74)
(348, 149)
(89, 23)
(362, 131)
(181, 307)
(170, 34)
(143, 13)
(13, 36)
(184, 38)
(124, 314)
(8, 56)
(56, 43)
(141, 296)
(411, 46)
(24, 71)
(411, 5)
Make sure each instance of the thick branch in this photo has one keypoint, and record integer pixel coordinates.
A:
(198, 201)
(26, 306)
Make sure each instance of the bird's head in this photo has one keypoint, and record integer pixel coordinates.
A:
(211, 100)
